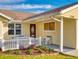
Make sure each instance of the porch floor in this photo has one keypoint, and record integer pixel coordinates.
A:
(66, 50)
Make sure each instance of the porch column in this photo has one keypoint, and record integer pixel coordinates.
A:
(1, 30)
(61, 35)
(77, 34)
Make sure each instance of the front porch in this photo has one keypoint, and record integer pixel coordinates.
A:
(61, 34)
(27, 41)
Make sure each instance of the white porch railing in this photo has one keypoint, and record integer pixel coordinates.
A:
(16, 43)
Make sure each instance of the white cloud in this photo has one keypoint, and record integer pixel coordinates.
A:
(26, 6)
(11, 1)
(34, 8)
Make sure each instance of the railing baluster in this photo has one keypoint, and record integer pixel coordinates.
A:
(3, 48)
(30, 41)
(17, 43)
(40, 41)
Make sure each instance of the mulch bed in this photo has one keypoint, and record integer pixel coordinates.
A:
(31, 50)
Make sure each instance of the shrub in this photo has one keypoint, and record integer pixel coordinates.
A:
(16, 52)
(29, 51)
(8, 51)
(50, 50)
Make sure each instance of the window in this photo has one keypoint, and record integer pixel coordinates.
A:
(49, 26)
(18, 29)
(14, 29)
(11, 29)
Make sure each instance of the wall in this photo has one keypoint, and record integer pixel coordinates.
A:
(26, 29)
(70, 33)
(3, 27)
(40, 32)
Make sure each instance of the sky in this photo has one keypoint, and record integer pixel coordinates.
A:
(33, 6)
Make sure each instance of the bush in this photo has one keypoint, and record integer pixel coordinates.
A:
(29, 51)
(16, 52)
(8, 51)
(50, 50)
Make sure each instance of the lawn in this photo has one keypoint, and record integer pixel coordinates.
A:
(60, 56)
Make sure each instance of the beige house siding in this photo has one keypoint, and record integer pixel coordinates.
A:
(26, 29)
(5, 31)
(1, 32)
(42, 33)
(70, 33)
(3, 27)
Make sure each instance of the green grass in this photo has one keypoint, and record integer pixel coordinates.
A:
(60, 56)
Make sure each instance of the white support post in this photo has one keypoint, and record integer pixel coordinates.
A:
(61, 35)
(61, 32)
(46, 40)
(3, 49)
(40, 41)
(17, 43)
(77, 33)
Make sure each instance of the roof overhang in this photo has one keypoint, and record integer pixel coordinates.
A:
(68, 9)
(7, 17)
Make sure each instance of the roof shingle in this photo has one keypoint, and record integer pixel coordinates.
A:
(16, 15)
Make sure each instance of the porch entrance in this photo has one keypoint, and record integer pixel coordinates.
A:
(33, 30)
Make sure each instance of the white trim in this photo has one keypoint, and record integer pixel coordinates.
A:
(77, 33)
(2, 31)
(56, 19)
(6, 16)
(68, 9)
(15, 29)
(61, 35)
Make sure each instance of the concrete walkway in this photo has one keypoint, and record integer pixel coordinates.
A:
(68, 51)
(72, 53)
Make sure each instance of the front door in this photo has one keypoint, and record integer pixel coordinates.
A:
(33, 30)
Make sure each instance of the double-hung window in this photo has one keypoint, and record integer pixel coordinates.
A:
(14, 29)
(49, 26)
(18, 29)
